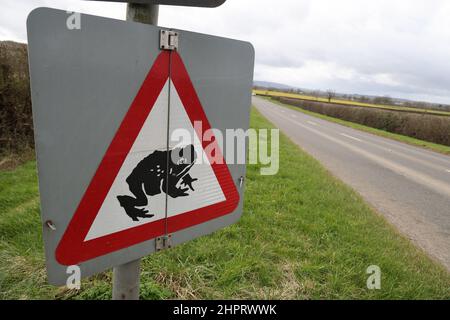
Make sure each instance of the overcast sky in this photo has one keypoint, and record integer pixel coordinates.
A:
(399, 48)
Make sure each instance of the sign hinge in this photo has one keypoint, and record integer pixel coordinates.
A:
(163, 242)
(168, 40)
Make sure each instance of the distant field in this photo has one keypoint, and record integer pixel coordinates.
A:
(303, 235)
(348, 102)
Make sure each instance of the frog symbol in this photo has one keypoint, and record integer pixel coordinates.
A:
(150, 178)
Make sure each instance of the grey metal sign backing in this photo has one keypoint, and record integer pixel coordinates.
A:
(84, 83)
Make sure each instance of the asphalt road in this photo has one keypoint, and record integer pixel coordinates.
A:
(410, 186)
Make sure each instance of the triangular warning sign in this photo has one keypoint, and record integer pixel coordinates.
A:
(139, 192)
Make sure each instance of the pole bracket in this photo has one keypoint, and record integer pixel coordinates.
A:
(163, 242)
(168, 40)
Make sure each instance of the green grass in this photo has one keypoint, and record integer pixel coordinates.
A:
(409, 140)
(303, 235)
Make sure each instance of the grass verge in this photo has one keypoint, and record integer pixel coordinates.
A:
(409, 140)
(303, 235)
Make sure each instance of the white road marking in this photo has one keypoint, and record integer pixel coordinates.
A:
(350, 137)
(312, 122)
(448, 171)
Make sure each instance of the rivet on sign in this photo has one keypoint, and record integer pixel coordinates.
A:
(50, 224)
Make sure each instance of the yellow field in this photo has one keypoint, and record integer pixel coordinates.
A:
(270, 93)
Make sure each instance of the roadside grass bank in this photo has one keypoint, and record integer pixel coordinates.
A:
(399, 137)
(303, 235)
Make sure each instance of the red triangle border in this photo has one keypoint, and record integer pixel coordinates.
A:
(72, 249)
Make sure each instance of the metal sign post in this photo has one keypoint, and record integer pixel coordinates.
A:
(188, 3)
(143, 13)
(126, 277)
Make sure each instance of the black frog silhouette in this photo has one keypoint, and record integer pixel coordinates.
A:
(150, 178)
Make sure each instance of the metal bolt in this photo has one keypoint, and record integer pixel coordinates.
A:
(50, 224)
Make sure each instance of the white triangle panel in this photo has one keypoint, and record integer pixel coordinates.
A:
(112, 217)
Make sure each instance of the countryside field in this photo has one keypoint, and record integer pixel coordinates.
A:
(270, 93)
(303, 235)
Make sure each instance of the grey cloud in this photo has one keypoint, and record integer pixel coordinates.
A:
(399, 48)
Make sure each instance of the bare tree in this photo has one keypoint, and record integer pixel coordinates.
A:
(331, 94)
